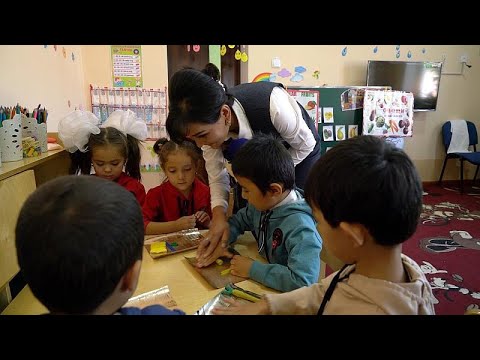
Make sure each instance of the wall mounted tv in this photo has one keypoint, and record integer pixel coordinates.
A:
(418, 77)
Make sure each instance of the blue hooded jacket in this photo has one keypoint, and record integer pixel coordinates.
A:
(292, 243)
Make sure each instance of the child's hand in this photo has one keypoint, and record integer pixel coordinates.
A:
(186, 222)
(242, 308)
(240, 266)
(203, 218)
(219, 251)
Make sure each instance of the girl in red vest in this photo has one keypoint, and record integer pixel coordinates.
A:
(182, 201)
(111, 148)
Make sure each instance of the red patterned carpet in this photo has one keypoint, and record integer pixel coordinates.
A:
(447, 247)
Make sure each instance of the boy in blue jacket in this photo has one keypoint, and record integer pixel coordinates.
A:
(79, 242)
(278, 217)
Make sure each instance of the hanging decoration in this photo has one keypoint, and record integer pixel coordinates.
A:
(240, 55)
(196, 48)
(244, 57)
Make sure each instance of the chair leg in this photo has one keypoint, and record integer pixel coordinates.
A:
(443, 170)
(461, 176)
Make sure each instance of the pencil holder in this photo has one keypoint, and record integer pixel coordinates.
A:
(42, 136)
(31, 128)
(11, 139)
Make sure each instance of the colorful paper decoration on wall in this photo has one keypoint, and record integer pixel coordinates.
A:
(262, 77)
(344, 51)
(284, 73)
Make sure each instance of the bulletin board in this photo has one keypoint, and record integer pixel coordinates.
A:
(329, 97)
(335, 118)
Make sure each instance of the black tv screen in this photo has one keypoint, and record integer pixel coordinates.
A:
(418, 77)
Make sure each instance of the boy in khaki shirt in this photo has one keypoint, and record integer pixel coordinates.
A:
(367, 197)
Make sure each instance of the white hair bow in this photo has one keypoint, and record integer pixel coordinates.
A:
(128, 123)
(74, 130)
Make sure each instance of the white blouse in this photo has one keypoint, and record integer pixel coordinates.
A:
(288, 121)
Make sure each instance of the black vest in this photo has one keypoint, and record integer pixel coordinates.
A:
(255, 100)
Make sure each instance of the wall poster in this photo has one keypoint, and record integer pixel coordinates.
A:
(127, 66)
(388, 113)
(309, 99)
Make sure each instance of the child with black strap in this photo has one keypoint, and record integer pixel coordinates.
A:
(367, 198)
(278, 217)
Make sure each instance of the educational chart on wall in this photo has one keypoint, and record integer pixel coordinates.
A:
(309, 99)
(388, 113)
(337, 124)
(127, 65)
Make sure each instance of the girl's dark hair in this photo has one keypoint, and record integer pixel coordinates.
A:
(193, 97)
(164, 147)
(128, 145)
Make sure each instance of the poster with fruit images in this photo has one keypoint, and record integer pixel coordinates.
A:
(352, 131)
(309, 99)
(388, 113)
(328, 115)
(328, 133)
(340, 132)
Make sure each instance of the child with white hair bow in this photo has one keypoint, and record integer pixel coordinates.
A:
(112, 148)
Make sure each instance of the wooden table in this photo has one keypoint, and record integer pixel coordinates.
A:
(187, 287)
(18, 179)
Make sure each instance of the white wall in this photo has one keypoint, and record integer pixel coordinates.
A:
(32, 75)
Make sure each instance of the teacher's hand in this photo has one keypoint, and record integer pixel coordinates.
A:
(217, 235)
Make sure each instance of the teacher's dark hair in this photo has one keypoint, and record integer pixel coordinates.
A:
(193, 97)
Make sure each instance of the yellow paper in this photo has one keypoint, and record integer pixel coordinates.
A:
(158, 247)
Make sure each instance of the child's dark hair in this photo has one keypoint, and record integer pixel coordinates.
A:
(164, 147)
(264, 160)
(368, 181)
(73, 245)
(212, 71)
(128, 145)
(193, 97)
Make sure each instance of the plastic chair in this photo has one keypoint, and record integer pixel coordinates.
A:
(472, 157)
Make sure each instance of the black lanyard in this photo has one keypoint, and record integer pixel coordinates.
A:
(263, 225)
(328, 294)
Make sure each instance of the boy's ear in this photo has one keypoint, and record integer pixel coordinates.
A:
(276, 189)
(355, 231)
(130, 279)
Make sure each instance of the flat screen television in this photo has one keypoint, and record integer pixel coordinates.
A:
(418, 77)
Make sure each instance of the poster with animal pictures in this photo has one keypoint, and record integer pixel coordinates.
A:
(388, 113)
(309, 99)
